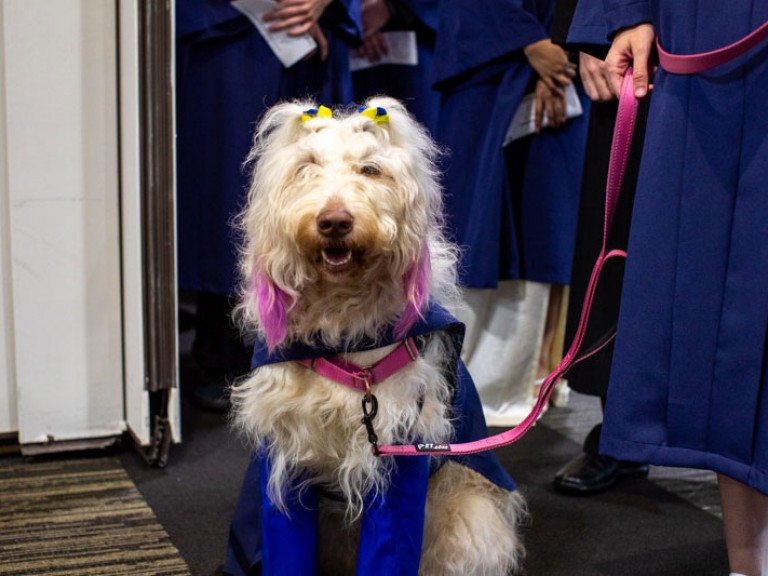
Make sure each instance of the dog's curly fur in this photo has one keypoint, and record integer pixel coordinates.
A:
(342, 240)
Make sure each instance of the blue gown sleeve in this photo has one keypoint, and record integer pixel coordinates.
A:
(625, 14)
(588, 26)
(474, 33)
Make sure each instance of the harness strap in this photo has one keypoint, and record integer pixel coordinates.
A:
(695, 63)
(359, 378)
(622, 140)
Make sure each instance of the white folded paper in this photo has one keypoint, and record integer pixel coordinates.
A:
(287, 49)
(524, 121)
(402, 50)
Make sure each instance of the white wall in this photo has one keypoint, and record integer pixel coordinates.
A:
(8, 413)
(59, 232)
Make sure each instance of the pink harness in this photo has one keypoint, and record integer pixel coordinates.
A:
(354, 376)
(362, 378)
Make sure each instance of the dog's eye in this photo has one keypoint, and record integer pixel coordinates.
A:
(370, 170)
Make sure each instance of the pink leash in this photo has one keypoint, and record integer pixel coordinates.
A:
(622, 140)
(695, 63)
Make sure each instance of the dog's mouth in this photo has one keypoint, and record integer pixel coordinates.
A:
(337, 258)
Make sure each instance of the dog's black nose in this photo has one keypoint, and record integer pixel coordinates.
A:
(334, 223)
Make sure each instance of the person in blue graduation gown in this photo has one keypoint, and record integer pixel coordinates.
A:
(262, 538)
(408, 83)
(226, 77)
(689, 385)
(512, 210)
(487, 60)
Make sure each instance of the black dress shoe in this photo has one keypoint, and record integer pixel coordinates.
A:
(590, 473)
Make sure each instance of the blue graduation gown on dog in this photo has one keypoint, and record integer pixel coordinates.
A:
(689, 385)
(227, 76)
(514, 217)
(392, 523)
(410, 84)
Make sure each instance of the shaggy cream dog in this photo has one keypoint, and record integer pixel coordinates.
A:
(343, 244)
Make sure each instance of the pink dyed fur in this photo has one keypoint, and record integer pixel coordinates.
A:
(273, 310)
(416, 284)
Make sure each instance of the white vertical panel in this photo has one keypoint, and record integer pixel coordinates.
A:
(61, 102)
(136, 397)
(8, 419)
(174, 402)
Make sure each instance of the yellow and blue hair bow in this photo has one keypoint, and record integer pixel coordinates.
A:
(320, 112)
(378, 114)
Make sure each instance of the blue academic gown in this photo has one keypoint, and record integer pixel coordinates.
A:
(514, 217)
(392, 523)
(410, 84)
(227, 76)
(689, 384)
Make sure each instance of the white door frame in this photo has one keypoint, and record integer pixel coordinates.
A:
(87, 225)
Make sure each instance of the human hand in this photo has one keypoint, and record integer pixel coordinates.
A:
(374, 15)
(594, 79)
(631, 47)
(297, 17)
(551, 102)
(374, 47)
(551, 63)
(322, 42)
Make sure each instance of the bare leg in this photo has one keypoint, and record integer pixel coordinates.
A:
(745, 519)
(550, 329)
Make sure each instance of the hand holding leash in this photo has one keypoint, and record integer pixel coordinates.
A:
(632, 48)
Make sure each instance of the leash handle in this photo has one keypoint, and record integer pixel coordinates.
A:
(622, 141)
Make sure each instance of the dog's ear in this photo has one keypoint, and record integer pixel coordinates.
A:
(416, 281)
(273, 305)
